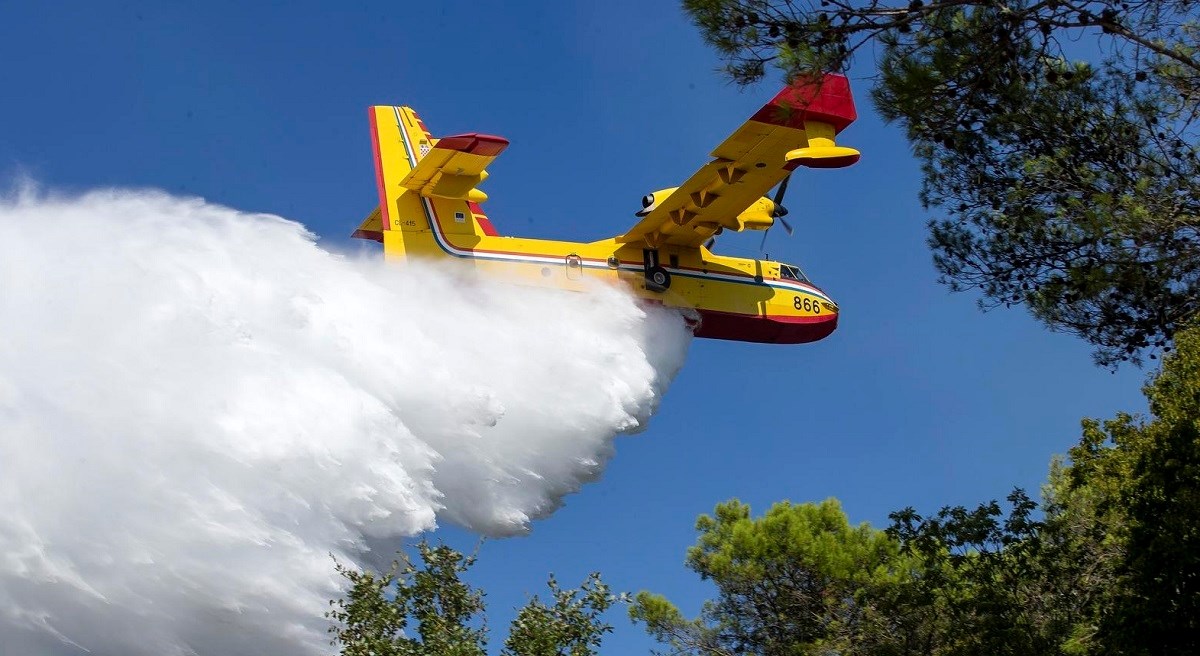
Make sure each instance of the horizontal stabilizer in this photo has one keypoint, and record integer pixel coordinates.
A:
(454, 167)
(371, 228)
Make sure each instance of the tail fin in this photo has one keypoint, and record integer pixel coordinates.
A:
(421, 179)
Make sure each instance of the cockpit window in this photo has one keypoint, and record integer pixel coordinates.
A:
(789, 272)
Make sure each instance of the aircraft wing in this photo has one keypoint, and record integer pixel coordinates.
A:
(795, 129)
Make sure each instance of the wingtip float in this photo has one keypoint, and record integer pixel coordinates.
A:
(430, 207)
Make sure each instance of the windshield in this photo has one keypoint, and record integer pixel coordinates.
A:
(789, 272)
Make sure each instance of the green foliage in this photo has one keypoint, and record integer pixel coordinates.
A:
(1147, 476)
(1108, 564)
(427, 610)
(1069, 187)
(570, 627)
(1002, 583)
(373, 618)
(798, 580)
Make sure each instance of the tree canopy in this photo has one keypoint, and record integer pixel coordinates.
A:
(1107, 563)
(798, 579)
(1057, 140)
(426, 609)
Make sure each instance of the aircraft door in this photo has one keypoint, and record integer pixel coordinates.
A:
(574, 267)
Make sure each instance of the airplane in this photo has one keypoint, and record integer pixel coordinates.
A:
(430, 208)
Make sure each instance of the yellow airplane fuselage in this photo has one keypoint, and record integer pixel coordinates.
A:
(732, 298)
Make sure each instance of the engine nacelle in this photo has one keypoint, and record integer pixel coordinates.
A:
(759, 216)
(651, 201)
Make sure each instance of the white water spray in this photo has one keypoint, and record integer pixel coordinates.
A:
(197, 406)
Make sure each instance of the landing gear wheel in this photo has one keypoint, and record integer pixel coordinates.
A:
(658, 279)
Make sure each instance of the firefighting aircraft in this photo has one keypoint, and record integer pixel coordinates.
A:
(429, 207)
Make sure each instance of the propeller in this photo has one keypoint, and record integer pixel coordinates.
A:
(779, 212)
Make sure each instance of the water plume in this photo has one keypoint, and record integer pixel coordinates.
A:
(199, 405)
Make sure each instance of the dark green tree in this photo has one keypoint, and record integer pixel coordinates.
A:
(799, 580)
(572, 626)
(375, 616)
(1007, 582)
(1145, 477)
(1057, 138)
(425, 609)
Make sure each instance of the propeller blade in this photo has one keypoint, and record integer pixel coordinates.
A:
(780, 210)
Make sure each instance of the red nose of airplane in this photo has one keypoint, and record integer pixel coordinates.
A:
(765, 329)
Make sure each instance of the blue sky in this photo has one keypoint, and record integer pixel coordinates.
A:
(917, 399)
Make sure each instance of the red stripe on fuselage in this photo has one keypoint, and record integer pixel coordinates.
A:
(437, 225)
(791, 283)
